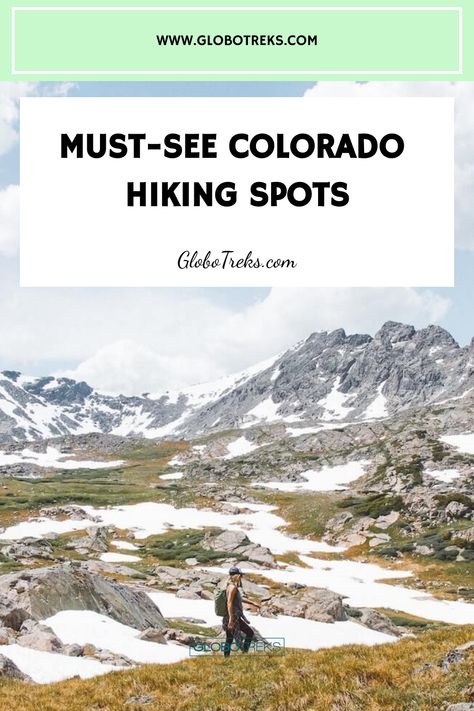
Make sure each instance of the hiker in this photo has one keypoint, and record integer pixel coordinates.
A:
(235, 624)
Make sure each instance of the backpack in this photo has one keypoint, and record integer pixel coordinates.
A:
(220, 602)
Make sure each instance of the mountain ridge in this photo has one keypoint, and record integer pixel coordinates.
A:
(329, 376)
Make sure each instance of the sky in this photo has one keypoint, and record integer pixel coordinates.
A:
(152, 340)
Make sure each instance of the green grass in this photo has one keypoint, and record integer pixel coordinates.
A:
(306, 513)
(176, 546)
(373, 505)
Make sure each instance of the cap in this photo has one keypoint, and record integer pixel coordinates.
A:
(235, 571)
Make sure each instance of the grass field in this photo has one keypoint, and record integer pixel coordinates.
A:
(352, 678)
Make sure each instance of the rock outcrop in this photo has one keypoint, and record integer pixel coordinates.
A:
(311, 603)
(9, 670)
(43, 592)
(237, 543)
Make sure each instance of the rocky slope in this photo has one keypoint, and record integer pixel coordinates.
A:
(328, 377)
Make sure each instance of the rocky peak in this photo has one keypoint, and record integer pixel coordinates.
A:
(60, 389)
(331, 376)
(433, 336)
(11, 374)
(394, 332)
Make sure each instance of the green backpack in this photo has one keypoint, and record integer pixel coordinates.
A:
(220, 601)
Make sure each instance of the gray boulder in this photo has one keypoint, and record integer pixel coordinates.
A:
(311, 603)
(467, 535)
(9, 670)
(455, 509)
(29, 548)
(37, 636)
(238, 544)
(95, 541)
(12, 615)
(153, 635)
(43, 592)
(377, 621)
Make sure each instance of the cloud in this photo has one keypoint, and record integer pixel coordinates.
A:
(463, 94)
(137, 340)
(10, 93)
(206, 342)
(129, 367)
(9, 220)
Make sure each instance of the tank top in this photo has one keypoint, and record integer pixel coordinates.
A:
(237, 607)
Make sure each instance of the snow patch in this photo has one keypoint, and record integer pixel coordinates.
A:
(173, 475)
(239, 447)
(378, 407)
(265, 410)
(325, 479)
(297, 632)
(446, 475)
(125, 545)
(334, 403)
(48, 667)
(87, 627)
(463, 442)
(54, 459)
(119, 558)
(358, 583)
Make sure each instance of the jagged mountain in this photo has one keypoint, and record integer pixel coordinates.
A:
(329, 377)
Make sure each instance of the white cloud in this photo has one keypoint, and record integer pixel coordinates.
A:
(10, 93)
(463, 94)
(128, 367)
(204, 342)
(9, 220)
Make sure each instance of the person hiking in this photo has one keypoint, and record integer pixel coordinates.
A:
(234, 622)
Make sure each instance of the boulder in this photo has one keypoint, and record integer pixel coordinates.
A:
(455, 509)
(95, 541)
(354, 539)
(311, 603)
(43, 592)
(339, 521)
(378, 539)
(73, 650)
(6, 636)
(191, 593)
(467, 535)
(11, 614)
(227, 541)
(465, 706)
(9, 670)
(37, 636)
(141, 699)
(377, 621)
(29, 548)
(323, 605)
(424, 550)
(384, 522)
(237, 543)
(70, 510)
(153, 635)
(105, 656)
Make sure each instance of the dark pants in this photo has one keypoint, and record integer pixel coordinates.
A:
(241, 633)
